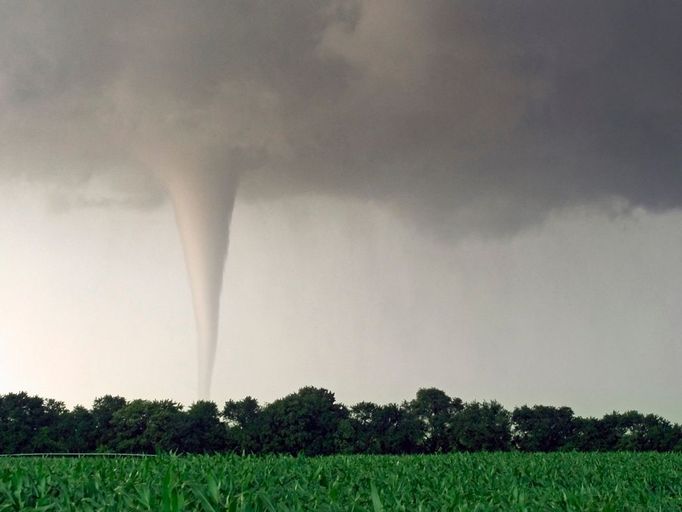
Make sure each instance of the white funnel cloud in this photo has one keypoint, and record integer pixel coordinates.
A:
(201, 177)
(203, 202)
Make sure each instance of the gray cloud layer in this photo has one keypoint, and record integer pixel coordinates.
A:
(483, 112)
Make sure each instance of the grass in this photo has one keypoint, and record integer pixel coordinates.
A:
(467, 482)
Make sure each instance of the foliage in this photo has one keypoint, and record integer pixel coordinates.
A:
(542, 428)
(243, 421)
(202, 430)
(481, 426)
(479, 481)
(311, 422)
(147, 427)
(103, 411)
(387, 429)
(435, 410)
(303, 422)
(27, 424)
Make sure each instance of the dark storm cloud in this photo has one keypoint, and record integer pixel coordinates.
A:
(482, 112)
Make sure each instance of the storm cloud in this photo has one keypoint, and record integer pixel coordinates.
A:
(478, 115)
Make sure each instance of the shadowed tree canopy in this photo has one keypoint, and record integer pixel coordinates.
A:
(481, 426)
(311, 422)
(542, 428)
(144, 426)
(303, 422)
(103, 410)
(243, 419)
(435, 410)
(202, 431)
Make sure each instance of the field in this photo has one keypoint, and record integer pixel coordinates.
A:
(480, 481)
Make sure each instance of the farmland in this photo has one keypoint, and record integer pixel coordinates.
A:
(478, 481)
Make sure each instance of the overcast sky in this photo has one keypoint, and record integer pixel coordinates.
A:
(479, 196)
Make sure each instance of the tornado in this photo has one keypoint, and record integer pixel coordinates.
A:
(203, 200)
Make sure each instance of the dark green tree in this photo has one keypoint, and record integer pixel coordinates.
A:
(399, 431)
(304, 422)
(542, 428)
(30, 424)
(51, 434)
(435, 411)
(243, 422)
(481, 426)
(312, 422)
(203, 432)
(365, 436)
(384, 429)
(144, 426)
(78, 430)
(633, 431)
(103, 410)
(589, 435)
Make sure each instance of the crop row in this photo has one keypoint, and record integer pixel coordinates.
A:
(480, 481)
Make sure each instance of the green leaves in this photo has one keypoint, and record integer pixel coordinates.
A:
(376, 501)
(459, 482)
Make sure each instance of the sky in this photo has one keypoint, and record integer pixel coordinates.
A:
(478, 196)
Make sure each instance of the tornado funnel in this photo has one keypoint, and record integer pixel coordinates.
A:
(203, 201)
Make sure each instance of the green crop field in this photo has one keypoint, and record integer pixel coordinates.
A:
(480, 481)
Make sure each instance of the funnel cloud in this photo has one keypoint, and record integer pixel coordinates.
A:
(203, 207)
(459, 117)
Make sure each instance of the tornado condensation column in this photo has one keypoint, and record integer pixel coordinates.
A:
(203, 201)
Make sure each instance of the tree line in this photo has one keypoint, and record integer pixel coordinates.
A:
(311, 422)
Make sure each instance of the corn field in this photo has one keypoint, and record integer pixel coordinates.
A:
(466, 482)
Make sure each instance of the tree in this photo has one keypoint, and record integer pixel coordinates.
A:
(103, 410)
(481, 426)
(435, 411)
(364, 433)
(311, 422)
(304, 422)
(542, 428)
(589, 435)
(50, 434)
(633, 431)
(203, 431)
(78, 430)
(384, 429)
(399, 431)
(28, 424)
(243, 423)
(147, 427)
